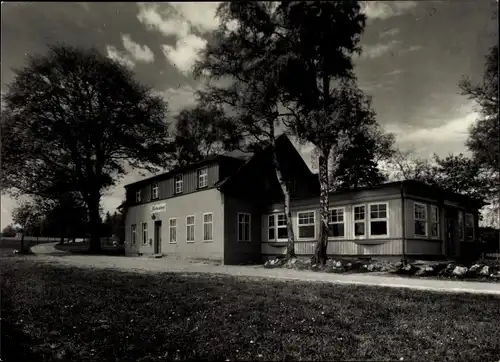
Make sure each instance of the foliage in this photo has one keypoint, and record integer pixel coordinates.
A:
(203, 131)
(359, 162)
(74, 120)
(114, 224)
(264, 319)
(10, 231)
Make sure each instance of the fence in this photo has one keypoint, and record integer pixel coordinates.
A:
(43, 239)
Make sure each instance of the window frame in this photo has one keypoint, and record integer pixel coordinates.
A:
(461, 225)
(199, 174)
(194, 228)
(386, 219)
(276, 226)
(473, 227)
(437, 221)
(249, 223)
(133, 231)
(211, 223)
(145, 233)
(330, 209)
(170, 228)
(178, 179)
(155, 188)
(363, 221)
(138, 196)
(313, 224)
(425, 219)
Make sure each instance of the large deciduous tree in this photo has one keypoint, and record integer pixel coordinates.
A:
(74, 120)
(484, 135)
(317, 63)
(243, 56)
(359, 162)
(203, 131)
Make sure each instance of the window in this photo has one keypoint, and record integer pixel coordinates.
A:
(134, 234)
(138, 196)
(154, 193)
(336, 226)
(277, 227)
(461, 225)
(306, 224)
(420, 218)
(172, 231)
(144, 233)
(469, 227)
(208, 227)
(243, 227)
(378, 220)
(178, 184)
(190, 229)
(359, 220)
(203, 177)
(434, 222)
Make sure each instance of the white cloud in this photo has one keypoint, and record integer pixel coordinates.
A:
(179, 98)
(118, 56)
(382, 10)
(185, 52)
(394, 72)
(377, 50)
(389, 32)
(138, 52)
(413, 48)
(185, 21)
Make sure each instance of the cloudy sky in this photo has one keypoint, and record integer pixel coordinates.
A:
(414, 55)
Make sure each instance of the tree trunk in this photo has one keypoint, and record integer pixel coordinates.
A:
(94, 224)
(22, 243)
(290, 246)
(319, 256)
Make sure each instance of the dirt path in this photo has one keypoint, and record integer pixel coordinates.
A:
(48, 253)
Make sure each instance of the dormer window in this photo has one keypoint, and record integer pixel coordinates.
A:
(178, 184)
(138, 196)
(154, 191)
(202, 177)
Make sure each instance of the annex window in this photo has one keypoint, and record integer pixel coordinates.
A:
(378, 220)
(179, 182)
(469, 227)
(336, 223)
(244, 227)
(359, 220)
(138, 196)
(306, 224)
(154, 193)
(203, 177)
(208, 227)
(134, 234)
(461, 225)
(277, 229)
(420, 219)
(172, 231)
(190, 228)
(144, 233)
(434, 222)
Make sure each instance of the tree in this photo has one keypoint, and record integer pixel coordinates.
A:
(27, 215)
(243, 54)
(9, 231)
(75, 119)
(405, 165)
(203, 131)
(358, 165)
(317, 65)
(484, 135)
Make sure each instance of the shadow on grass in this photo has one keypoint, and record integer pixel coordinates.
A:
(16, 345)
(83, 249)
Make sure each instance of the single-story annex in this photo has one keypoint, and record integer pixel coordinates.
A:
(230, 209)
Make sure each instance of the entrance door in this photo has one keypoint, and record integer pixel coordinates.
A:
(451, 232)
(157, 237)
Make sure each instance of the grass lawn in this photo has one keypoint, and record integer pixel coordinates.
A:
(51, 312)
